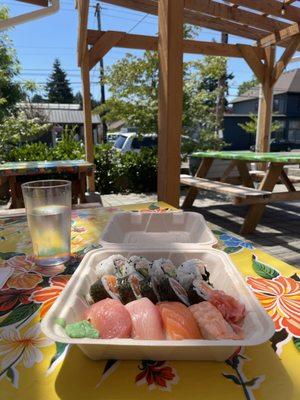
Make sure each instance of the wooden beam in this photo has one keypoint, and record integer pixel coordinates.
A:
(279, 36)
(42, 3)
(285, 58)
(143, 42)
(102, 46)
(87, 110)
(129, 40)
(271, 7)
(253, 60)
(235, 14)
(170, 49)
(83, 14)
(190, 17)
(265, 107)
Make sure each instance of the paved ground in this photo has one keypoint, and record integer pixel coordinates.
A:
(278, 234)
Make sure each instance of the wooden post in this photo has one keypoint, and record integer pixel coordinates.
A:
(87, 109)
(265, 108)
(170, 49)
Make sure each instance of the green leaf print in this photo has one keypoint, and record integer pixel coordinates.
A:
(296, 342)
(20, 313)
(230, 250)
(60, 347)
(233, 378)
(153, 207)
(263, 270)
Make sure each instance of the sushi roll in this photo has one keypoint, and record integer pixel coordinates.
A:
(125, 290)
(190, 270)
(103, 288)
(140, 265)
(142, 288)
(111, 265)
(169, 289)
(161, 268)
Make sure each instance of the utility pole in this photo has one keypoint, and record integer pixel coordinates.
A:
(101, 65)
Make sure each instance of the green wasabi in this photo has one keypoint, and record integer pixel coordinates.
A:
(81, 329)
(61, 322)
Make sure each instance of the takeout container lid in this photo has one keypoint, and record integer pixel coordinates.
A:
(71, 304)
(157, 230)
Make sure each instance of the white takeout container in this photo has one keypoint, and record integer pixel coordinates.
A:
(156, 230)
(71, 304)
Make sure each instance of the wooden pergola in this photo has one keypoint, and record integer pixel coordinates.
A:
(269, 23)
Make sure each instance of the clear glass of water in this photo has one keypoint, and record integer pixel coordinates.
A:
(48, 209)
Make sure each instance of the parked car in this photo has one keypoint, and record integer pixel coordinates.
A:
(278, 145)
(133, 142)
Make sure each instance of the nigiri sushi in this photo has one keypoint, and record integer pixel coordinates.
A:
(146, 320)
(110, 318)
(211, 322)
(178, 321)
(232, 310)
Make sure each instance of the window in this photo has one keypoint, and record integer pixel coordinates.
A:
(146, 141)
(294, 131)
(276, 104)
(120, 141)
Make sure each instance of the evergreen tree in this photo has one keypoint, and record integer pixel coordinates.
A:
(58, 86)
(37, 98)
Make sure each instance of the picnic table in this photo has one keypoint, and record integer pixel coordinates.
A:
(15, 172)
(243, 191)
(34, 367)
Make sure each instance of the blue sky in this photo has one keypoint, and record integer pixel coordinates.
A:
(39, 42)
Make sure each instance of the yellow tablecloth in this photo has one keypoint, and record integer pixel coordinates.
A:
(34, 368)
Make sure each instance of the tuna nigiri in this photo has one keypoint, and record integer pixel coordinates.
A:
(110, 318)
(211, 322)
(146, 320)
(178, 321)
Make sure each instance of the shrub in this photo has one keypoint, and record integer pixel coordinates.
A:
(31, 152)
(68, 148)
(129, 172)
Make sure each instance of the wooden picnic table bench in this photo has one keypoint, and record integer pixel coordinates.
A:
(17, 172)
(245, 193)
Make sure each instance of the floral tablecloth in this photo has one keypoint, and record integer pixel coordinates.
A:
(35, 368)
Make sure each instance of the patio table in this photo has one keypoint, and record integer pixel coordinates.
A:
(247, 193)
(33, 367)
(12, 170)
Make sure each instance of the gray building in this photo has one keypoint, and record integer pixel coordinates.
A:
(286, 110)
(61, 115)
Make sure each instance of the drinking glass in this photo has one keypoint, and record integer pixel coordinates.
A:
(48, 209)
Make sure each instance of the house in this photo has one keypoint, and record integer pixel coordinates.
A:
(286, 110)
(59, 116)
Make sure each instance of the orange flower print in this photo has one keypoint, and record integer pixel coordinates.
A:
(27, 274)
(48, 295)
(281, 299)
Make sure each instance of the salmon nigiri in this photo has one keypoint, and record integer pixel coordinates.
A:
(178, 321)
(146, 320)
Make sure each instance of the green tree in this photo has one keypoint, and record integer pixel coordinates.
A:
(251, 125)
(133, 84)
(247, 85)
(10, 91)
(37, 98)
(58, 86)
(16, 130)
